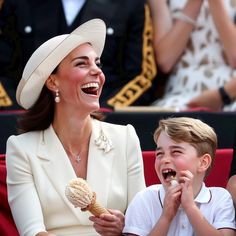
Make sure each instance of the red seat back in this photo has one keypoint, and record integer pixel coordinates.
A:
(219, 174)
(7, 225)
(218, 177)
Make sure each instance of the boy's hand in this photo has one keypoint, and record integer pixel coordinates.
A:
(186, 182)
(171, 202)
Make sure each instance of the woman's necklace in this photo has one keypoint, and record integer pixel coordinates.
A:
(75, 157)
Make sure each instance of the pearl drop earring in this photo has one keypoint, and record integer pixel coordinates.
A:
(57, 98)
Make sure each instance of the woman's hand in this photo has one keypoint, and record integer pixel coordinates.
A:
(109, 224)
(210, 99)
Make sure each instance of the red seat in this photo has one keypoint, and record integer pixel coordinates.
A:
(218, 176)
(7, 225)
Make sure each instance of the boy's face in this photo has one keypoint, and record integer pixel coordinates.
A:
(173, 157)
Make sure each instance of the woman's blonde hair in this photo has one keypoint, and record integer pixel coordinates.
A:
(190, 130)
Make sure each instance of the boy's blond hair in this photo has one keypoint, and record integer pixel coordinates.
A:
(190, 130)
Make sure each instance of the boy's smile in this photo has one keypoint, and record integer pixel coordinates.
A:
(173, 157)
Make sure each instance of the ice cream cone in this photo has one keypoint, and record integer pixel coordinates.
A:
(173, 181)
(95, 208)
(80, 195)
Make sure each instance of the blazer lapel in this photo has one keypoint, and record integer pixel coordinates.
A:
(99, 165)
(57, 167)
(60, 171)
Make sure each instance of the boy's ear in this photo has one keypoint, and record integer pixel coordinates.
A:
(52, 83)
(204, 163)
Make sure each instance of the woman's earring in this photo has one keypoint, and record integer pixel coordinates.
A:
(57, 98)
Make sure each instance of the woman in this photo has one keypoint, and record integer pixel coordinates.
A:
(62, 139)
(195, 45)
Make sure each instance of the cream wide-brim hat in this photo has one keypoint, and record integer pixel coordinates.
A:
(48, 56)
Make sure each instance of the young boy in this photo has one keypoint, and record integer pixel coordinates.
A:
(184, 156)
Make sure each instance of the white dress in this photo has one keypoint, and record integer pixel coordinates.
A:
(202, 66)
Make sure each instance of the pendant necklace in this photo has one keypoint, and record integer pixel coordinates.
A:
(77, 157)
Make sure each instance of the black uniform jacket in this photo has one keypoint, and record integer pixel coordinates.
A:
(128, 58)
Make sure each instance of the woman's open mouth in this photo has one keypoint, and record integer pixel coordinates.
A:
(90, 88)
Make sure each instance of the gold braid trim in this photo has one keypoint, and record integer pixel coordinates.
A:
(5, 100)
(141, 83)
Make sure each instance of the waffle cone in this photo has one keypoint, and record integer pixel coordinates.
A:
(95, 208)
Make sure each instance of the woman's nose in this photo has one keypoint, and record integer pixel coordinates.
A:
(95, 69)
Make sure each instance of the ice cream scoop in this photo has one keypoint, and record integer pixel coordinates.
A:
(80, 195)
(174, 182)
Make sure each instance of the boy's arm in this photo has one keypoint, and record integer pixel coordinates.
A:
(170, 207)
(197, 219)
(161, 227)
(194, 214)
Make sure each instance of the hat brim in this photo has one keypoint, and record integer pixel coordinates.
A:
(49, 55)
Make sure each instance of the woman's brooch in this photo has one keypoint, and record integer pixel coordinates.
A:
(103, 142)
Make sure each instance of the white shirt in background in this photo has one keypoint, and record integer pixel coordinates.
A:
(71, 9)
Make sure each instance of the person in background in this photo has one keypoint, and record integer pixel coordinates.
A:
(231, 185)
(216, 99)
(195, 45)
(61, 138)
(128, 58)
(182, 204)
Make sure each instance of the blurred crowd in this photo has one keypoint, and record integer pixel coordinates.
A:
(167, 54)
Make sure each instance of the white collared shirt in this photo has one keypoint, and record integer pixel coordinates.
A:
(215, 203)
(71, 9)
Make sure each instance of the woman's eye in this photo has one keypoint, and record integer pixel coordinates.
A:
(81, 63)
(99, 65)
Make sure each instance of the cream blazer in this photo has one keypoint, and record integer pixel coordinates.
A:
(38, 171)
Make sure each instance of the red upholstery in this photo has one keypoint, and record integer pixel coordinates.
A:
(7, 226)
(218, 176)
(220, 172)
